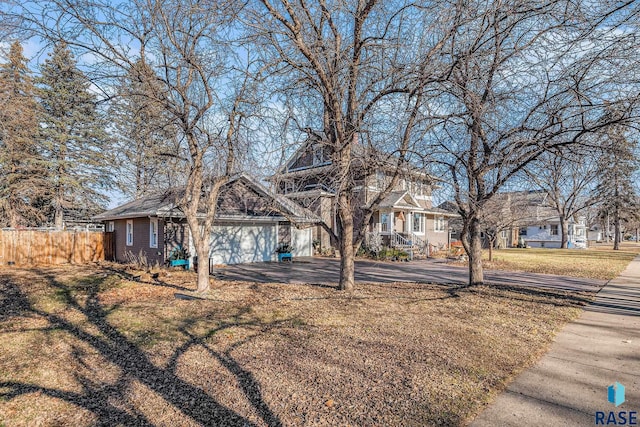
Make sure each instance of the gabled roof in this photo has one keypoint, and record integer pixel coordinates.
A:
(399, 198)
(360, 153)
(166, 205)
(442, 212)
(158, 204)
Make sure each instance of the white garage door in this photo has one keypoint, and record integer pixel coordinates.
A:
(236, 244)
(301, 240)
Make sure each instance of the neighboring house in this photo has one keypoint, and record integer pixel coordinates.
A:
(515, 218)
(596, 233)
(536, 223)
(404, 218)
(250, 224)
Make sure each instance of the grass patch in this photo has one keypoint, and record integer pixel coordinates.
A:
(600, 262)
(121, 352)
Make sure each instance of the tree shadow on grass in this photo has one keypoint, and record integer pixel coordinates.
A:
(106, 400)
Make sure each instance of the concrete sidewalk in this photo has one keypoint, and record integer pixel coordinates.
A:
(569, 384)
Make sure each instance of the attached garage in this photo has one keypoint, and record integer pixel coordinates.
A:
(250, 224)
(240, 243)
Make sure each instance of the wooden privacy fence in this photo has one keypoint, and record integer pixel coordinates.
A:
(47, 247)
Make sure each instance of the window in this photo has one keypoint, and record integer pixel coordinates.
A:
(439, 224)
(418, 223)
(110, 226)
(317, 154)
(419, 189)
(153, 232)
(380, 181)
(553, 229)
(384, 222)
(129, 232)
(522, 232)
(288, 187)
(504, 234)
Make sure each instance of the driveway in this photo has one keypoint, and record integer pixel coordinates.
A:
(326, 271)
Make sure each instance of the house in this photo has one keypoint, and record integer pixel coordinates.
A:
(529, 218)
(516, 218)
(404, 218)
(250, 224)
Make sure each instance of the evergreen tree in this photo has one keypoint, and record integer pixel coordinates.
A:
(148, 152)
(21, 172)
(615, 186)
(74, 137)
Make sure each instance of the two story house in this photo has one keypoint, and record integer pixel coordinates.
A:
(405, 218)
(528, 218)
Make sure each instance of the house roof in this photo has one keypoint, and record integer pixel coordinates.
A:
(166, 205)
(360, 152)
(399, 198)
(442, 212)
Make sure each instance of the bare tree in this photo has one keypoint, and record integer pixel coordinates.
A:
(361, 69)
(526, 78)
(196, 78)
(148, 150)
(503, 213)
(568, 179)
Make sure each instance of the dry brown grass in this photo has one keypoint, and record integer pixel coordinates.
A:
(599, 262)
(84, 346)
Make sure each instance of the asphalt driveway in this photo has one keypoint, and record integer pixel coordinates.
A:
(326, 271)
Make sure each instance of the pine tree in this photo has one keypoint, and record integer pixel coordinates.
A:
(21, 172)
(148, 153)
(74, 137)
(615, 186)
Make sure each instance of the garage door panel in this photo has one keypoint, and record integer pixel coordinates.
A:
(235, 244)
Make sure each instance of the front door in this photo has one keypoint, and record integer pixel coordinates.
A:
(399, 222)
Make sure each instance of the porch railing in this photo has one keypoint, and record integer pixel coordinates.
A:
(398, 240)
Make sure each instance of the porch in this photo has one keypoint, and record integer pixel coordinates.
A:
(402, 229)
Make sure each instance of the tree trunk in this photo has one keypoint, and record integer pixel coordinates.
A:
(564, 232)
(201, 243)
(491, 242)
(58, 217)
(476, 275)
(616, 229)
(347, 254)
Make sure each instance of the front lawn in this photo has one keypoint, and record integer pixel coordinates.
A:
(86, 345)
(600, 262)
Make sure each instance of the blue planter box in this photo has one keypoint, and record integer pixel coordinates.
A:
(179, 262)
(285, 256)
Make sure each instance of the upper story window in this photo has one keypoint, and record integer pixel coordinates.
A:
(380, 180)
(439, 224)
(129, 232)
(317, 154)
(288, 187)
(553, 229)
(153, 232)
